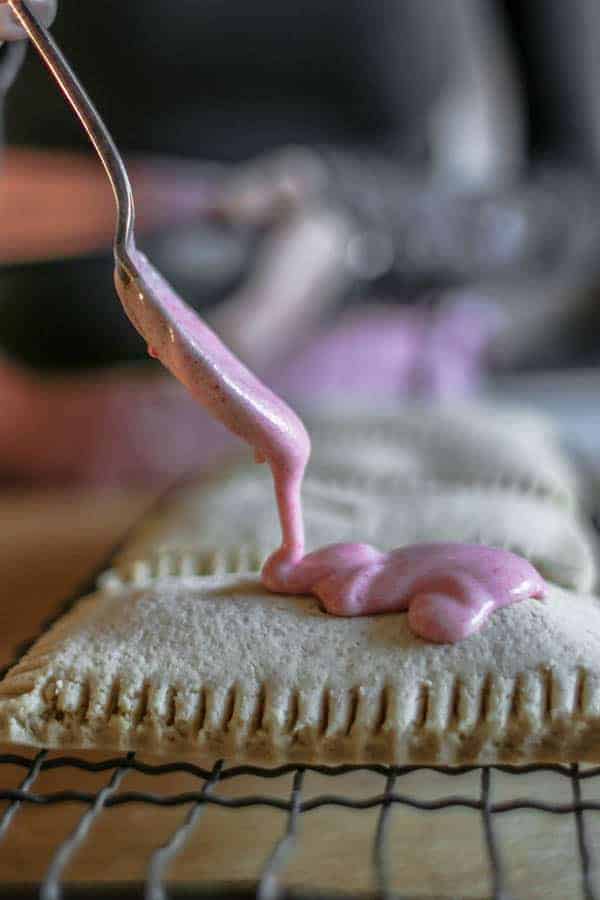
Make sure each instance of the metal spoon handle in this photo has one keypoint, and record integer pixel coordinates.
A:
(90, 119)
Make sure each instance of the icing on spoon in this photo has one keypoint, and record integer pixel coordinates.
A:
(222, 384)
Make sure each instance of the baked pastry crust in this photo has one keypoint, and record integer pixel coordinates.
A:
(182, 651)
(215, 666)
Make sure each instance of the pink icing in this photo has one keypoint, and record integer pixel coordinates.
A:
(222, 384)
(449, 589)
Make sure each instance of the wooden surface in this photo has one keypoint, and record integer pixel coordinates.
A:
(49, 543)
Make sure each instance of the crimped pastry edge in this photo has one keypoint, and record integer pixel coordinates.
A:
(541, 716)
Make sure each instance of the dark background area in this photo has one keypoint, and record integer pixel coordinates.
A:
(226, 80)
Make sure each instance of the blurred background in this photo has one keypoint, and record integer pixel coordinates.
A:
(388, 199)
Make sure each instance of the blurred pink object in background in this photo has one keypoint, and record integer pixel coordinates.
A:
(393, 352)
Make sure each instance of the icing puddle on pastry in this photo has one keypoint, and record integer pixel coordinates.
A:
(448, 589)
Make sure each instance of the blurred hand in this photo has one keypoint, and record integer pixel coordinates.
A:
(44, 10)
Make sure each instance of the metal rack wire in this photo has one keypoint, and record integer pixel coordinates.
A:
(293, 809)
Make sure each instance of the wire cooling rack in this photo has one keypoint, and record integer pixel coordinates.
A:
(294, 810)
